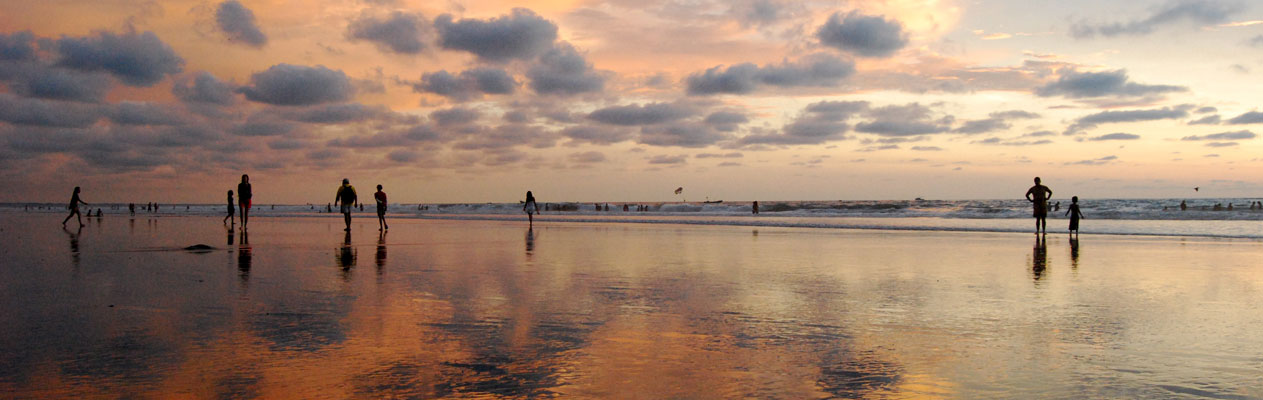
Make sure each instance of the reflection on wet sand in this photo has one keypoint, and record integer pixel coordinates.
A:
(245, 255)
(380, 257)
(644, 312)
(74, 244)
(1039, 257)
(1074, 253)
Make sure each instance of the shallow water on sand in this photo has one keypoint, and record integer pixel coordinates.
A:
(488, 308)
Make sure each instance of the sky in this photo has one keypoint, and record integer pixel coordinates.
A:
(620, 100)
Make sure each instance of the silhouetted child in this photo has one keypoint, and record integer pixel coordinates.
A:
(380, 197)
(231, 210)
(75, 201)
(1074, 214)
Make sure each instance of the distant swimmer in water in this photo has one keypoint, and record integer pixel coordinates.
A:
(530, 208)
(1057, 206)
(231, 210)
(1075, 215)
(1039, 195)
(754, 208)
(1183, 205)
(380, 197)
(75, 201)
(244, 196)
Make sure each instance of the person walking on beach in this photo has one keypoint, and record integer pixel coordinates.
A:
(244, 195)
(346, 197)
(380, 196)
(1039, 195)
(75, 201)
(1074, 214)
(530, 208)
(230, 210)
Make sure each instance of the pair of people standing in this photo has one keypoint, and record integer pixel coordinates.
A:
(346, 197)
(245, 197)
(1038, 195)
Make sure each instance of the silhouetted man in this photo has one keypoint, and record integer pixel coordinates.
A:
(346, 196)
(1039, 195)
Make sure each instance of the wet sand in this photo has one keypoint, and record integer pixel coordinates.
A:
(590, 310)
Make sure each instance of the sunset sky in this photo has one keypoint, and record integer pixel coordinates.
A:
(620, 100)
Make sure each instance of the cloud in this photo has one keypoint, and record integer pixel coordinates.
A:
(587, 157)
(17, 46)
(868, 36)
(760, 12)
(726, 121)
(1250, 117)
(680, 134)
(597, 134)
(1011, 142)
(398, 33)
(927, 148)
(1256, 41)
(206, 88)
(507, 136)
(403, 156)
(718, 155)
(36, 112)
(136, 59)
(237, 22)
(819, 70)
(469, 84)
(455, 116)
(665, 159)
(336, 113)
(818, 123)
(1198, 13)
(563, 71)
(297, 85)
(1106, 117)
(142, 113)
(1077, 85)
(1207, 120)
(1115, 136)
(519, 35)
(636, 114)
(995, 121)
(1238, 135)
(54, 83)
(262, 128)
(907, 120)
(1221, 144)
(1095, 161)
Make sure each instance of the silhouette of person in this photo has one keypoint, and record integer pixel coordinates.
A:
(75, 201)
(1039, 258)
(131, 208)
(531, 208)
(1074, 214)
(1183, 205)
(754, 208)
(1039, 195)
(346, 196)
(244, 197)
(232, 233)
(380, 197)
(231, 212)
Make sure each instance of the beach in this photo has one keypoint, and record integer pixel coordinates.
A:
(582, 309)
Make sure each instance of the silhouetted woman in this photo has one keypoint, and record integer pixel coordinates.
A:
(75, 201)
(530, 208)
(243, 199)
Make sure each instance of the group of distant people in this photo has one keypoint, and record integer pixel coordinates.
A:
(345, 198)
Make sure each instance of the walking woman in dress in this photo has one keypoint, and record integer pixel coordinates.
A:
(530, 208)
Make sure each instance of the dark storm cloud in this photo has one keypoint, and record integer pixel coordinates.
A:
(237, 23)
(820, 70)
(1115, 136)
(205, 88)
(141, 113)
(563, 71)
(297, 85)
(1077, 85)
(1207, 120)
(1106, 117)
(597, 134)
(1251, 117)
(906, 120)
(1238, 135)
(587, 157)
(17, 46)
(636, 114)
(864, 35)
(995, 121)
(1198, 13)
(398, 33)
(31, 79)
(469, 84)
(455, 116)
(37, 112)
(818, 123)
(519, 35)
(136, 59)
(336, 113)
(680, 134)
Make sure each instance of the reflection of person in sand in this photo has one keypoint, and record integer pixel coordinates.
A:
(1039, 258)
(530, 240)
(346, 256)
(74, 244)
(75, 201)
(245, 255)
(380, 257)
(1074, 253)
(1039, 195)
